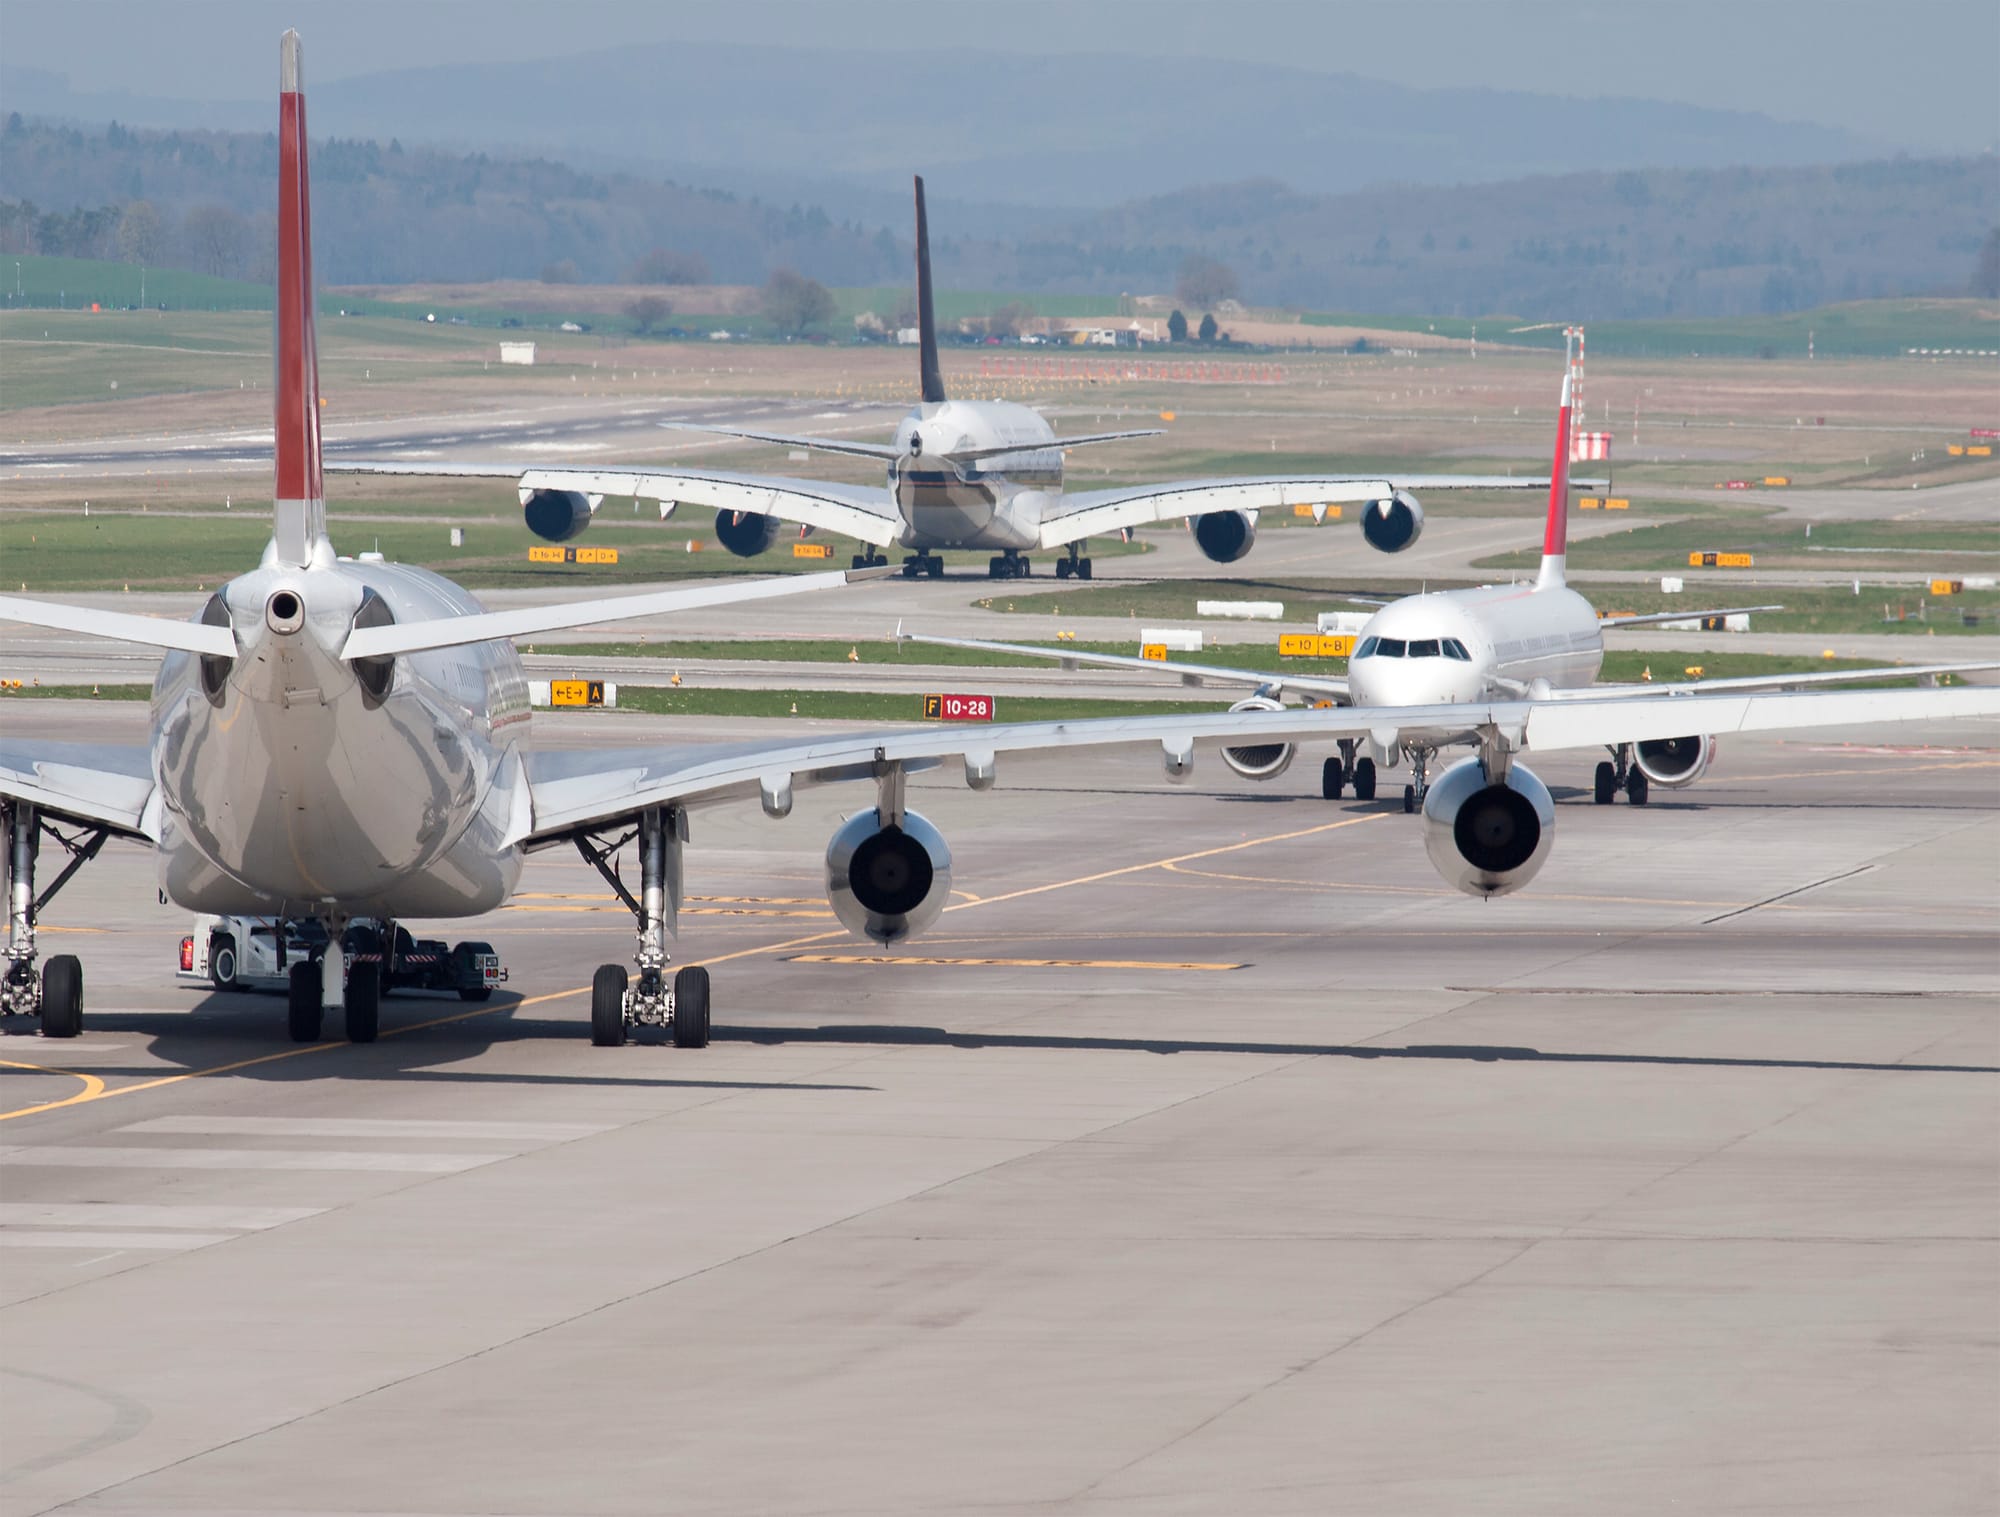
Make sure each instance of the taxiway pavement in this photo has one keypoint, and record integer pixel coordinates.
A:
(1209, 1156)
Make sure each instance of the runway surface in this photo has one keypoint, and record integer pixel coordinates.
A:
(1208, 1157)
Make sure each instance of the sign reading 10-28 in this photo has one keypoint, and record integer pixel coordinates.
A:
(958, 708)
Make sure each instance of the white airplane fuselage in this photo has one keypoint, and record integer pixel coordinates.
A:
(997, 501)
(1514, 639)
(289, 787)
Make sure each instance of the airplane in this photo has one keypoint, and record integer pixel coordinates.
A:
(332, 739)
(961, 474)
(1541, 641)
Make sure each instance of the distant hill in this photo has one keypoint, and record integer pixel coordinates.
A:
(1046, 130)
(1594, 246)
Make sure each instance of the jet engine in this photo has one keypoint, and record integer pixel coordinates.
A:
(1225, 536)
(1488, 839)
(1674, 761)
(887, 883)
(1260, 761)
(557, 515)
(746, 533)
(1392, 525)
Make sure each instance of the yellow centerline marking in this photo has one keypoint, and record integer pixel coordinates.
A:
(867, 958)
(96, 1090)
(93, 1086)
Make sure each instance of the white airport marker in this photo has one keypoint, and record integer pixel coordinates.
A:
(118, 1243)
(240, 1158)
(121, 1214)
(369, 1127)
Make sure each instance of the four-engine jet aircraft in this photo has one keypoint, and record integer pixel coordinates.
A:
(1540, 641)
(982, 474)
(332, 739)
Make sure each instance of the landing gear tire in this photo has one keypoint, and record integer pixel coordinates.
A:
(362, 1001)
(691, 1007)
(303, 1015)
(1332, 777)
(607, 1006)
(1063, 568)
(1083, 568)
(1636, 788)
(1364, 779)
(1409, 800)
(934, 568)
(222, 963)
(62, 996)
(1605, 785)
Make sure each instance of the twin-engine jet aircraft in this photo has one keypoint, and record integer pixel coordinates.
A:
(332, 739)
(980, 474)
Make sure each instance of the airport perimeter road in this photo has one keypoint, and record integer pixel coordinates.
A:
(1207, 1158)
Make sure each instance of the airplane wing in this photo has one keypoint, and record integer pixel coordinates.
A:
(1190, 674)
(579, 791)
(103, 784)
(1749, 683)
(1095, 513)
(1656, 618)
(786, 440)
(864, 512)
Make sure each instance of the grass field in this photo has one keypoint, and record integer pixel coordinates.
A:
(1785, 543)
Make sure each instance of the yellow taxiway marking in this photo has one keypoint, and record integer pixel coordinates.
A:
(96, 1090)
(865, 958)
(92, 1085)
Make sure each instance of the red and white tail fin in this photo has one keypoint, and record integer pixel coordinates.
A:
(299, 525)
(1555, 536)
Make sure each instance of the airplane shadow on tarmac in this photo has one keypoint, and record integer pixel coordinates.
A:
(1476, 1053)
(243, 1034)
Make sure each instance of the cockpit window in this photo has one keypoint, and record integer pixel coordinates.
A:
(1424, 648)
(1453, 648)
(1389, 647)
(1367, 648)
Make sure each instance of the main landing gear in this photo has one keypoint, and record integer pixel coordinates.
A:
(1620, 773)
(330, 980)
(617, 1000)
(1337, 773)
(1075, 566)
(922, 566)
(1009, 565)
(56, 995)
(870, 560)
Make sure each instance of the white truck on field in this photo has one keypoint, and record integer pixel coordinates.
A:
(257, 953)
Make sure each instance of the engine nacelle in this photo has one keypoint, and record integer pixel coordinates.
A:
(1392, 525)
(1488, 839)
(1225, 536)
(1260, 761)
(557, 515)
(1674, 761)
(746, 533)
(887, 883)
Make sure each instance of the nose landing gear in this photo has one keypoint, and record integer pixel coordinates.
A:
(618, 1002)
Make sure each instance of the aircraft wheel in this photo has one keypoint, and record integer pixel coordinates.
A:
(1364, 779)
(222, 963)
(303, 1014)
(1409, 800)
(935, 568)
(1605, 784)
(1636, 788)
(363, 1002)
(691, 1007)
(1062, 568)
(1083, 568)
(861, 561)
(1332, 777)
(996, 568)
(910, 569)
(607, 1006)
(1023, 568)
(62, 996)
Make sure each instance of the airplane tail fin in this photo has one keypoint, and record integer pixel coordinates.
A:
(933, 377)
(299, 522)
(1555, 536)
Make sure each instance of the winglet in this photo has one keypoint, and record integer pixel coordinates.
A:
(927, 354)
(1555, 536)
(299, 521)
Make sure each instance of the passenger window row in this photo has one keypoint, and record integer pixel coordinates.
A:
(1425, 647)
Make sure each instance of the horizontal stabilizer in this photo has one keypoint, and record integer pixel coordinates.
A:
(1058, 442)
(490, 626)
(120, 626)
(785, 440)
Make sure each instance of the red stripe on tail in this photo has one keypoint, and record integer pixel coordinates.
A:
(1556, 536)
(296, 376)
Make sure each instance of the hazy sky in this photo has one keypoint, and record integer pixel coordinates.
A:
(1914, 73)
